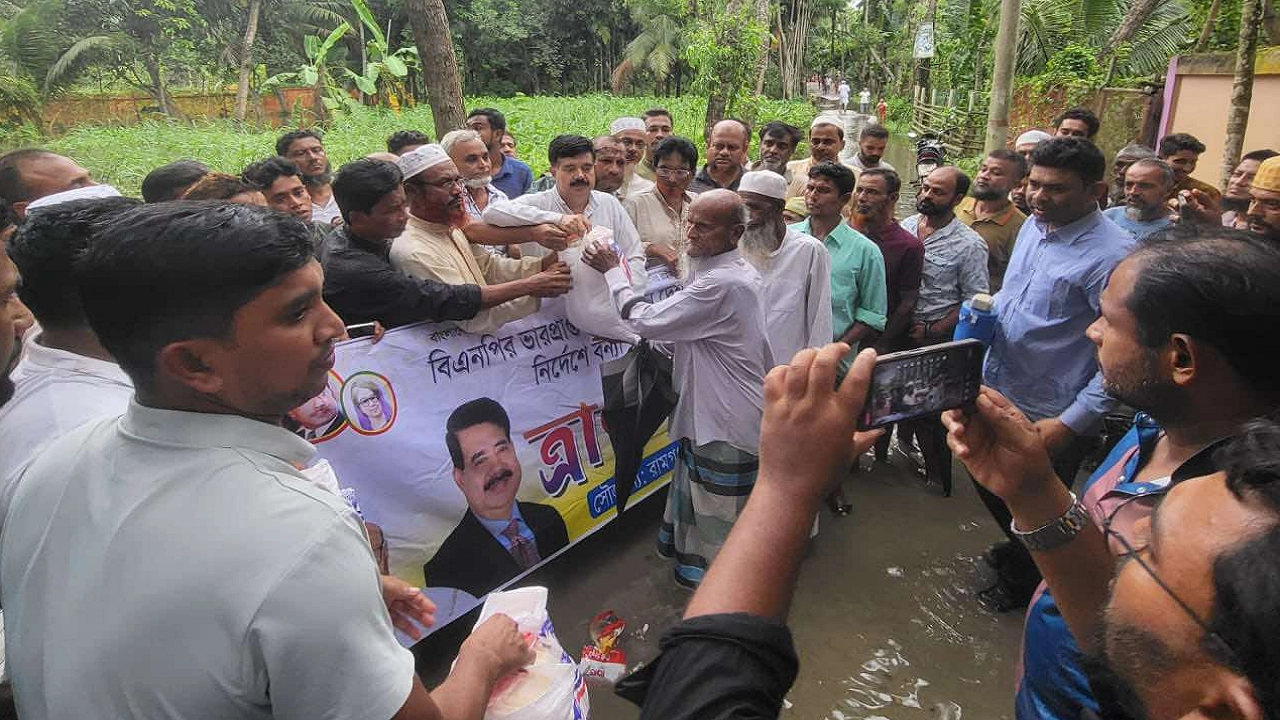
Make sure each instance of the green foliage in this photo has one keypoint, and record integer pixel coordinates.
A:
(1074, 65)
(1049, 26)
(123, 156)
(317, 72)
(722, 50)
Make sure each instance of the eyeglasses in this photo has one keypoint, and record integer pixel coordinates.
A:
(445, 184)
(673, 173)
(1135, 554)
(632, 143)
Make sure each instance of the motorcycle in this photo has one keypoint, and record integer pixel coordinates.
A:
(931, 154)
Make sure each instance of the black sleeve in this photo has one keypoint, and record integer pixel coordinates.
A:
(418, 300)
(716, 667)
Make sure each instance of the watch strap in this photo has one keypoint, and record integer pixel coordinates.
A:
(1057, 532)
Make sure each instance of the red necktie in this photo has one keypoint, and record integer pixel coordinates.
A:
(524, 552)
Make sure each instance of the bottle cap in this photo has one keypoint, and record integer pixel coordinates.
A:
(982, 302)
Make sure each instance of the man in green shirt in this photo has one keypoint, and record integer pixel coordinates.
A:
(859, 300)
(858, 296)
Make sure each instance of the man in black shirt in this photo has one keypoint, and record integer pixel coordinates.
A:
(360, 283)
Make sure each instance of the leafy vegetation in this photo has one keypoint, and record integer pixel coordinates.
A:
(122, 156)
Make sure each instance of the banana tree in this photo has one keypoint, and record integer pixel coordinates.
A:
(384, 69)
(328, 92)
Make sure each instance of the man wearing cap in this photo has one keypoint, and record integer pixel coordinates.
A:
(1025, 143)
(826, 142)
(1127, 155)
(573, 166)
(432, 245)
(795, 267)
(631, 136)
(1264, 201)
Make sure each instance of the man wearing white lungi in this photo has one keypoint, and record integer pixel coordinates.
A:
(715, 329)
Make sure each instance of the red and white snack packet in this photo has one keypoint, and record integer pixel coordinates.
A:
(603, 659)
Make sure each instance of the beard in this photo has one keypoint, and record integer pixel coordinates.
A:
(478, 182)
(760, 241)
(323, 178)
(986, 192)
(774, 164)
(1141, 389)
(1125, 654)
(929, 209)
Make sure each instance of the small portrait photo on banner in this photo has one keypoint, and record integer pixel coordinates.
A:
(370, 403)
(320, 418)
(497, 537)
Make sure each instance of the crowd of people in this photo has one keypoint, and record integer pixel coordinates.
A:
(150, 350)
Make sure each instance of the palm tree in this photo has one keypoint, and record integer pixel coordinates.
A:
(656, 49)
(1049, 25)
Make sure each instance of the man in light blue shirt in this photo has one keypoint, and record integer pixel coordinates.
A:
(1040, 358)
(1147, 184)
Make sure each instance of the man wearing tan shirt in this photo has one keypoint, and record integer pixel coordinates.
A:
(432, 246)
(660, 213)
(990, 212)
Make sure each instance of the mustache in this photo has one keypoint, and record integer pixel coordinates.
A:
(492, 482)
(577, 182)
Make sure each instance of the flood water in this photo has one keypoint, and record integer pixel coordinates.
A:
(885, 619)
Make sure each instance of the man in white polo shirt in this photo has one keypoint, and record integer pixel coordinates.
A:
(175, 562)
(65, 377)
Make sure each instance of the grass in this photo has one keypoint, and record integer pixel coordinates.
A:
(122, 156)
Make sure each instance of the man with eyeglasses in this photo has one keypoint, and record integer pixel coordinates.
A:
(660, 214)
(1178, 339)
(631, 136)
(433, 247)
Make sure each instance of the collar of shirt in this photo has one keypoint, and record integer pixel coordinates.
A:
(215, 430)
(839, 235)
(53, 359)
(495, 527)
(704, 176)
(1145, 433)
(970, 206)
(434, 229)
(724, 259)
(495, 195)
(559, 205)
(685, 199)
(342, 238)
(1072, 232)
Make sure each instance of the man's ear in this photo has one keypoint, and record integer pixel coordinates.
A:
(1185, 358)
(189, 363)
(457, 478)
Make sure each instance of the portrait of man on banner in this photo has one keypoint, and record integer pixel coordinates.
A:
(319, 418)
(497, 538)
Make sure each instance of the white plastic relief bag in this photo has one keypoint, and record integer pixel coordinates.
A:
(552, 687)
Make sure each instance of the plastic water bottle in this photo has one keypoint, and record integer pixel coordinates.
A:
(977, 319)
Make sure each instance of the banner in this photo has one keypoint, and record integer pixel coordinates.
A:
(382, 422)
(924, 43)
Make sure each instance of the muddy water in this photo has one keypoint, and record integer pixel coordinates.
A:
(884, 618)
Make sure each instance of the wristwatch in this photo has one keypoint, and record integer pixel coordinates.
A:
(1054, 533)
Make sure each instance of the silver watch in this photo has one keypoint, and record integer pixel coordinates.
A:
(1054, 533)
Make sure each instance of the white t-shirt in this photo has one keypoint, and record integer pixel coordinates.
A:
(325, 214)
(176, 565)
(55, 392)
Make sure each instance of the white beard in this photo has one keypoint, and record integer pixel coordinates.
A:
(478, 182)
(757, 244)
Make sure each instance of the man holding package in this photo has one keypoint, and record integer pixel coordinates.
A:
(715, 326)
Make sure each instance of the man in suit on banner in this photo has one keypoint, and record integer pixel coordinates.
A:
(498, 538)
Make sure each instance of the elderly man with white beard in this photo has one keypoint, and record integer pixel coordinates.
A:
(715, 328)
(795, 268)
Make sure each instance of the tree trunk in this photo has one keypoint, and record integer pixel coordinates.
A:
(246, 59)
(158, 91)
(1270, 23)
(762, 55)
(1206, 32)
(1133, 20)
(1241, 88)
(439, 64)
(1006, 50)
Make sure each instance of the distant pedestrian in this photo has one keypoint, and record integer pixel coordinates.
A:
(864, 101)
(882, 111)
(844, 95)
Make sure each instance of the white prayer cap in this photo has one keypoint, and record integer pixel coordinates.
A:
(626, 123)
(825, 120)
(764, 182)
(421, 158)
(1032, 137)
(88, 192)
